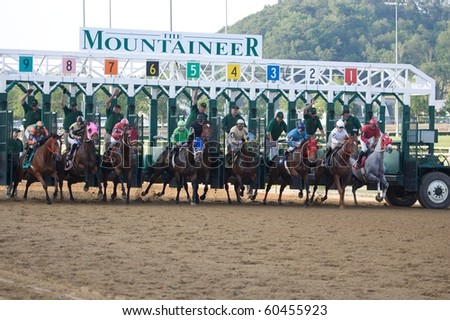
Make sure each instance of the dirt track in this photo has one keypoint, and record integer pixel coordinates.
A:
(158, 250)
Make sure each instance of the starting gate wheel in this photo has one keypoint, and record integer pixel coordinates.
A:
(434, 191)
(396, 196)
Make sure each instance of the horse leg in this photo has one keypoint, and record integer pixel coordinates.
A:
(254, 186)
(306, 186)
(44, 185)
(99, 184)
(385, 187)
(282, 187)
(69, 186)
(269, 185)
(56, 178)
(237, 188)
(195, 198)
(341, 190)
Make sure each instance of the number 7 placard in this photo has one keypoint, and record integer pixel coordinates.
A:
(111, 66)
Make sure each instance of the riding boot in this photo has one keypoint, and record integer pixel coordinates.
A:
(27, 155)
(72, 150)
(357, 165)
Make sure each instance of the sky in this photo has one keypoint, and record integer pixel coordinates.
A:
(54, 25)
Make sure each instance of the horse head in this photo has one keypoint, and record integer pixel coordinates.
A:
(310, 149)
(385, 143)
(207, 131)
(92, 133)
(132, 139)
(350, 146)
(53, 145)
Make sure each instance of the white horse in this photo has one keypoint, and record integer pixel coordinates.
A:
(373, 169)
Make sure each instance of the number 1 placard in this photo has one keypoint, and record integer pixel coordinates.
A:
(111, 67)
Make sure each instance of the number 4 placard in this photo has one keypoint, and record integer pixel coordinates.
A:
(69, 65)
(111, 66)
(234, 71)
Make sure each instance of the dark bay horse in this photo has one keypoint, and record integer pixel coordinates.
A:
(341, 169)
(297, 164)
(165, 165)
(121, 163)
(84, 162)
(44, 163)
(373, 169)
(244, 170)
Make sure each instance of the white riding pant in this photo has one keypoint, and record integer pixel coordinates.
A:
(363, 144)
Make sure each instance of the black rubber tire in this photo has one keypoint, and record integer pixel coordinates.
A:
(396, 196)
(434, 191)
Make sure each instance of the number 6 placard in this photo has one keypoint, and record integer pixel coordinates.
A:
(69, 65)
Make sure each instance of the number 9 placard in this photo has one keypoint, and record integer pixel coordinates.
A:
(69, 65)
(25, 64)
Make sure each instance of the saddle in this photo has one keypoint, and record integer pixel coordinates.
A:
(27, 162)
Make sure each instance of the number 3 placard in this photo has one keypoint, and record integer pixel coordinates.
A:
(69, 65)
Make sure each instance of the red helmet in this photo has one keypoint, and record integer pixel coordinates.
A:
(124, 121)
(373, 122)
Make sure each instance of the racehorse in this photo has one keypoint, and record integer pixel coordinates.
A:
(185, 164)
(84, 162)
(121, 162)
(164, 164)
(295, 164)
(244, 170)
(44, 163)
(373, 169)
(341, 169)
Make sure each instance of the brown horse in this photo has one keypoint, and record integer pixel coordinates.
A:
(164, 164)
(121, 163)
(44, 163)
(296, 164)
(340, 171)
(84, 163)
(244, 170)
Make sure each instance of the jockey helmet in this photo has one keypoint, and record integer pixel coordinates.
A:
(181, 123)
(124, 121)
(201, 117)
(39, 125)
(240, 121)
(373, 122)
(32, 130)
(80, 119)
(340, 123)
(301, 125)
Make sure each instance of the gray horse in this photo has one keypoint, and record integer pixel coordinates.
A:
(373, 169)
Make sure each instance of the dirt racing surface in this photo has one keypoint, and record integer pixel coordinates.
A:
(155, 249)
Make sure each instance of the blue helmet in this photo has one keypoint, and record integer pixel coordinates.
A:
(300, 125)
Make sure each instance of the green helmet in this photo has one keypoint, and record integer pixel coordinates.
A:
(181, 123)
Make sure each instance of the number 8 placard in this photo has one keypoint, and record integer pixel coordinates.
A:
(69, 65)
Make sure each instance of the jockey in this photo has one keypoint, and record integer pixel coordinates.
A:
(296, 136)
(180, 134)
(76, 131)
(178, 137)
(335, 139)
(235, 138)
(197, 126)
(35, 134)
(117, 133)
(370, 133)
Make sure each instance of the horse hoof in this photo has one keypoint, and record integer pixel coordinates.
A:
(143, 193)
(86, 188)
(202, 197)
(378, 198)
(300, 194)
